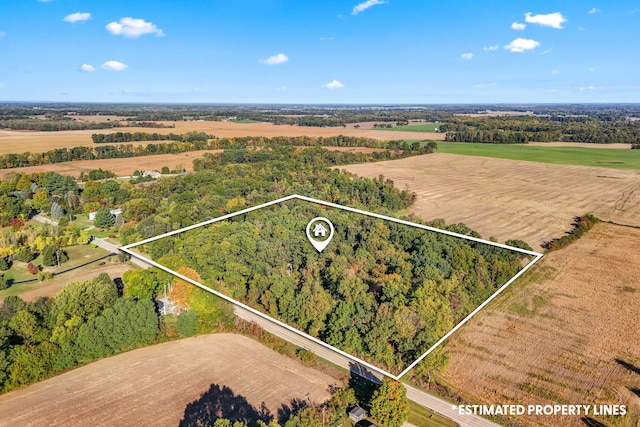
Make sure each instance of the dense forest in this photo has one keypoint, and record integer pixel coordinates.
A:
(378, 274)
(83, 322)
(383, 291)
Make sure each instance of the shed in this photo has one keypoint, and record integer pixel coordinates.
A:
(357, 414)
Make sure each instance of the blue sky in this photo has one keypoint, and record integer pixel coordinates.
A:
(294, 51)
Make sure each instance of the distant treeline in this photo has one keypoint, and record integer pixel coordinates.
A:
(99, 138)
(66, 123)
(59, 155)
(46, 125)
(518, 130)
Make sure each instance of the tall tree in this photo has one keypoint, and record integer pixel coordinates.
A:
(104, 219)
(389, 404)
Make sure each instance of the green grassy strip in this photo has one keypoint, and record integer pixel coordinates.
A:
(581, 156)
(427, 127)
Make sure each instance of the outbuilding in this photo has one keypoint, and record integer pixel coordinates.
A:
(357, 414)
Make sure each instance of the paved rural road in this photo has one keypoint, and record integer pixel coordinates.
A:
(424, 399)
(110, 247)
(44, 220)
(421, 398)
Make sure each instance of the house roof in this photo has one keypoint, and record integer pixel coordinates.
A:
(357, 412)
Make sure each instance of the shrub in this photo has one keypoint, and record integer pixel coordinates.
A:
(32, 269)
(187, 323)
(25, 255)
(4, 265)
(581, 224)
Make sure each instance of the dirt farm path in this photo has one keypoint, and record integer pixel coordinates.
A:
(154, 386)
(510, 199)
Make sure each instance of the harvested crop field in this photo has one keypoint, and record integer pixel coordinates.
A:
(567, 333)
(126, 166)
(37, 142)
(195, 380)
(121, 167)
(509, 199)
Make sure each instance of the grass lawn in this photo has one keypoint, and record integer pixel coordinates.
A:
(422, 416)
(100, 233)
(83, 221)
(77, 255)
(582, 156)
(426, 127)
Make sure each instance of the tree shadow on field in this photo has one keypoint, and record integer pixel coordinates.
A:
(588, 421)
(295, 406)
(221, 402)
(363, 383)
(629, 366)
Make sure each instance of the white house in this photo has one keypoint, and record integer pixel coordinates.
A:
(319, 230)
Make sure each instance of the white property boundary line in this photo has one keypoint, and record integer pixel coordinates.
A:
(536, 256)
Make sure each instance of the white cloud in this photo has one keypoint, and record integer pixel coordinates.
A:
(335, 84)
(581, 28)
(594, 10)
(2, 33)
(114, 66)
(364, 6)
(553, 20)
(466, 56)
(88, 68)
(132, 27)
(325, 39)
(490, 48)
(518, 26)
(520, 45)
(591, 69)
(1, 85)
(77, 17)
(589, 88)
(280, 58)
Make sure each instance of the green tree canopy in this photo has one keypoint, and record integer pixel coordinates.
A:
(389, 404)
(104, 219)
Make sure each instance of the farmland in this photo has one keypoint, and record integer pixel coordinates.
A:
(509, 199)
(36, 142)
(567, 333)
(425, 127)
(196, 379)
(568, 154)
(126, 166)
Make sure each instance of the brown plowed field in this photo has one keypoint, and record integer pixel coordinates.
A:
(510, 199)
(37, 142)
(158, 385)
(563, 335)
